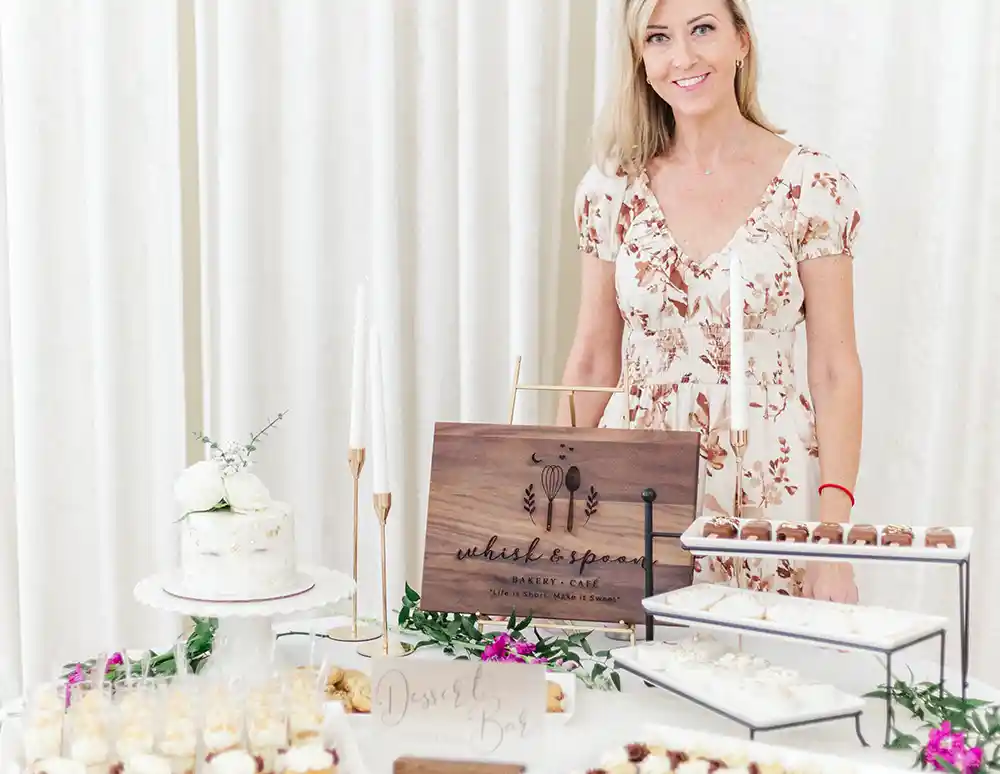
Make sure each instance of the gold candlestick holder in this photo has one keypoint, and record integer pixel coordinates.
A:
(738, 440)
(355, 632)
(384, 645)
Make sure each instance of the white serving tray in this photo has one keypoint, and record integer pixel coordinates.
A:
(693, 541)
(767, 756)
(850, 626)
(733, 692)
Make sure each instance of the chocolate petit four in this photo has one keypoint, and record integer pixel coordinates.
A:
(756, 529)
(792, 532)
(865, 534)
(894, 535)
(939, 537)
(720, 527)
(829, 531)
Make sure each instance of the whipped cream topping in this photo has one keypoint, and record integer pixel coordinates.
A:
(146, 764)
(89, 749)
(233, 762)
(220, 738)
(43, 740)
(58, 765)
(310, 757)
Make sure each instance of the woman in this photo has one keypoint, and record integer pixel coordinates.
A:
(688, 170)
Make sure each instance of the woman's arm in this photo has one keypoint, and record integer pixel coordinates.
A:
(595, 355)
(835, 378)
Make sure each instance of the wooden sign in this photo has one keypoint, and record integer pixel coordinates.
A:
(549, 520)
(482, 706)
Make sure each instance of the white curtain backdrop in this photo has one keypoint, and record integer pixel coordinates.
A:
(193, 190)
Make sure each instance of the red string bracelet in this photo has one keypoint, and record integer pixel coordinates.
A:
(843, 489)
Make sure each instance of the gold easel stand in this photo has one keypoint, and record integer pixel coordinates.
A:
(384, 645)
(355, 632)
(621, 628)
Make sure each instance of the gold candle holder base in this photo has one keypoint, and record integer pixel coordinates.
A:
(376, 649)
(384, 645)
(738, 440)
(356, 632)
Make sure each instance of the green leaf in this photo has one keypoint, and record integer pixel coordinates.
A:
(946, 766)
(616, 680)
(902, 741)
(586, 648)
(411, 595)
(876, 694)
(524, 624)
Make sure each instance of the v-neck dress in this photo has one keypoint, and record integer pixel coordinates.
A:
(675, 350)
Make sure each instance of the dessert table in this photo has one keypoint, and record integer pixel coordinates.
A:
(606, 719)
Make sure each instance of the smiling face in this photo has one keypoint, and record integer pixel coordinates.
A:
(690, 52)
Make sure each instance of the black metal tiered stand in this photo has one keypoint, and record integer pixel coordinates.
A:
(651, 535)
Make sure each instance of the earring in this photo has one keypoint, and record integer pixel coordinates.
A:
(739, 64)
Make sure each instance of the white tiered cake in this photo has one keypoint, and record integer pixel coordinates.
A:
(227, 555)
(237, 544)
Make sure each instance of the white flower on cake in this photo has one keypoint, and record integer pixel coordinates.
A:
(223, 482)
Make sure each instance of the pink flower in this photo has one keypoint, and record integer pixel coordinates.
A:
(949, 746)
(524, 648)
(496, 649)
(116, 659)
(76, 676)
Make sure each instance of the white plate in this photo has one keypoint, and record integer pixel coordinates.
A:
(173, 584)
(901, 628)
(718, 688)
(696, 543)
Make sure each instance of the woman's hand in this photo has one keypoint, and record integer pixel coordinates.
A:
(830, 581)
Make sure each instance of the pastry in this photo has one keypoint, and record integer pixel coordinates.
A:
(335, 675)
(361, 698)
(895, 535)
(179, 744)
(144, 763)
(267, 733)
(828, 531)
(220, 737)
(232, 762)
(864, 534)
(92, 750)
(720, 527)
(58, 765)
(939, 537)
(134, 739)
(554, 700)
(792, 532)
(310, 759)
(305, 724)
(43, 740)
(756, 529)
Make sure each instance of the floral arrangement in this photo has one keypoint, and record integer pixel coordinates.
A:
(224, 481)
(461, 636)
(195, 650)
(961, 736)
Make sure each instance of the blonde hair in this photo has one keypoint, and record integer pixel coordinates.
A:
(636, 124)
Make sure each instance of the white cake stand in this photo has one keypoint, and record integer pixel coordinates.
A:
(244, 642)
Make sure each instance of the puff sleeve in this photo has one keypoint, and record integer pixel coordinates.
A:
(828, 215)
(596, 207)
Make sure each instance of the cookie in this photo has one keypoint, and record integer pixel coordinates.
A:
(361, 700)
(353, 679)
(343, 697)
(554, 700)
(334, 676)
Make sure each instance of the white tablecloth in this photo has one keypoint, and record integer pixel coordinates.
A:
(604, 719)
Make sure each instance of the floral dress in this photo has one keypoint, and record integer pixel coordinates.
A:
(676, 344)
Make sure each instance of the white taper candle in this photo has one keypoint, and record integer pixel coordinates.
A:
(377, 450)
(356, 438)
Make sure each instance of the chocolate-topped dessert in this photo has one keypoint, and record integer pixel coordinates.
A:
(755, 529)
(866, 534)
(895, 535)
(829, 531)
(721, 527)
(939, 537)
(793, 532)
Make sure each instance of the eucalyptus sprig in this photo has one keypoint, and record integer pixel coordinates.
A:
(459, 635)
(197, 649)
(932, 706)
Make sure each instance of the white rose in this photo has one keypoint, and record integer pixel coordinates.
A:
(200, 486)
(246, 492)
